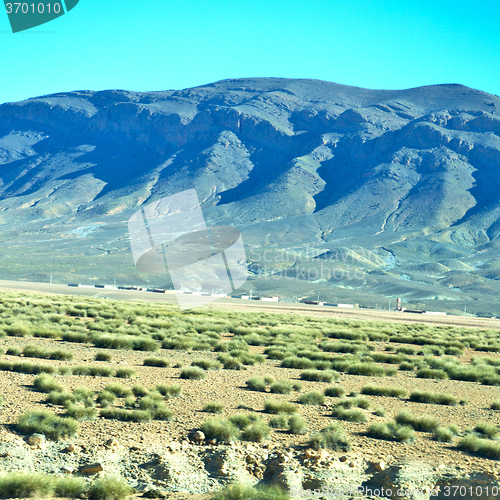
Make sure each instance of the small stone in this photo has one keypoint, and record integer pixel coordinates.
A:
(70, 448)
(352, 464)
(212, 441)
(309, 453)
(112, 443)
(198, 436)
(323, 455)
(380, 466)
(91, 468)
(38, 441)
(68, 470)
(154, 493)
(344, 458)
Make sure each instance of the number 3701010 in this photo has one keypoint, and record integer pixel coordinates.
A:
(33, 8)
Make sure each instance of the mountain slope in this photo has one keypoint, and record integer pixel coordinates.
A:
(291, 163)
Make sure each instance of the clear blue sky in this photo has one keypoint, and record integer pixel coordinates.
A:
(165, 44)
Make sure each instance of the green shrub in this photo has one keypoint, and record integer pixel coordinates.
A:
(280, 421)
(488, 430)
(433, 398)
(220, 429)
(407, 366)
(44, 422)
(242, 420)
(110, 488)
(282, 387)
(92, 371)
(256, 384)
(391, 431)
(145, 344)
(366, 369)
(119, 390)
(275, 407)
(374, 390)
(169, 391)
(256, 432)
(125, 373)
(84, 395)
(103, 356)
(113, 342)
(213, 408)
(349, 415)
(47, 383)
(332, 438)
(429, 373)
(69, 487)
(139, 391)
(312, 398)
(245, 492)
(150, 402)
(495, 405)
(61, 398)
(207, 364)
(482, 447)
(126, 415)
(26, 485)
(80, 412)
(353, 403)
(297, 386)
(230, 362)
(380, 412)
(13, 351)
(297, 424)
(193, 373)
(490, 379)
(446, 434)
(106, 398)
(424, 423)
(158, 362)
(320, 375)
(297, 363)
(161, 412)
(336, 391)
(79, 337)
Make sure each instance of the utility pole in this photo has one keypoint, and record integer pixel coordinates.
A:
(51, 279)
(389, 304)
(465, 310)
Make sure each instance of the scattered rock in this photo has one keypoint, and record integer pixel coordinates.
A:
(37, 441)
(68, 470)
(111, 443)
(71, 448)
(198, 436)
(380, 466)
(91, 468)
(154, 493)
(309, 453)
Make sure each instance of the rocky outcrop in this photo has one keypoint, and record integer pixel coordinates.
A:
(201, 468)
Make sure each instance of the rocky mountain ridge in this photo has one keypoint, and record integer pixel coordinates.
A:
(409, 175)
